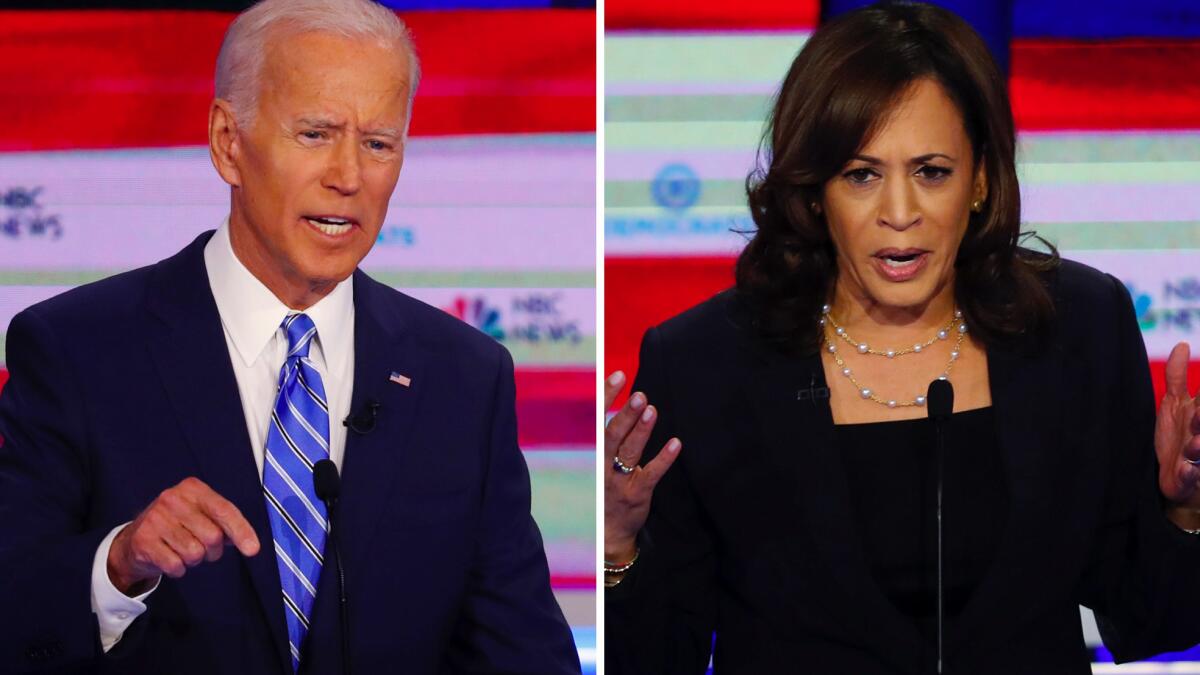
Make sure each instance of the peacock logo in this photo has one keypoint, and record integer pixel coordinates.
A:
(476, 312)
(1141, 307)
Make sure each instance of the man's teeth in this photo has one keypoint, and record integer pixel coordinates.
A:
(331, 226)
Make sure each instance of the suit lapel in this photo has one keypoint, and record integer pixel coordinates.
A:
(1027, 396)
(797, 425)
(187, 345)
(383, 345)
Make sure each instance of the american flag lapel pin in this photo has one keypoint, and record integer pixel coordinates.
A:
(402, 380)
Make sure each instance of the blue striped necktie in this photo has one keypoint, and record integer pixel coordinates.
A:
(297, 438)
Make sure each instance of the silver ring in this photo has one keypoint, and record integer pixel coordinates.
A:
(618, 465)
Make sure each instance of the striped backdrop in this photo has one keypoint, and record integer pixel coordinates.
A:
(1106, 96)
(103, 167)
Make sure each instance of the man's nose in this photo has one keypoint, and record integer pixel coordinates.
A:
(344, 172)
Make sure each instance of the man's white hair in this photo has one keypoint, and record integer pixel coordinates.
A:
(244, 50)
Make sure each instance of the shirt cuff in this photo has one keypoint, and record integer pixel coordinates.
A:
(113, 609)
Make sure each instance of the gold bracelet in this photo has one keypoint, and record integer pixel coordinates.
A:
(614, 568)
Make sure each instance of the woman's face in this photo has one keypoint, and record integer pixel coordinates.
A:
(898, 210)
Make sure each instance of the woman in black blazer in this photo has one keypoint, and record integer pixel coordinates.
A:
(799, 531)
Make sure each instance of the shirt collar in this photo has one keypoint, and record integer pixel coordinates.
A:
(252, 314)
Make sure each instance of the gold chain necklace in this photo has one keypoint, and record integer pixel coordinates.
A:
(827, 322)
(943, 334)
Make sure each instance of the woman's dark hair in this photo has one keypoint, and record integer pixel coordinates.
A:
(836, 95)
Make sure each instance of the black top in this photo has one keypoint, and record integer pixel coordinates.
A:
(752, 534)
(891, 471)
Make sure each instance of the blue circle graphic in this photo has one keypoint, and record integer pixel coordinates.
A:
(676, 187)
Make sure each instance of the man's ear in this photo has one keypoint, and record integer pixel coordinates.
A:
(224, 146)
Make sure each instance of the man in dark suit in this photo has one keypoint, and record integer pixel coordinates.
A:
(157, 419)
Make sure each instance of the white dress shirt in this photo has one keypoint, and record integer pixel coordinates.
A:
(251, 316)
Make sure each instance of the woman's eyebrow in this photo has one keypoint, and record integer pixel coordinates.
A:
(921, 159)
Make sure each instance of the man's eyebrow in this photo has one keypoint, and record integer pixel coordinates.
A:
(319, 123)
(388, 132)
(326, 123)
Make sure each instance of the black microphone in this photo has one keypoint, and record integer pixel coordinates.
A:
(327, 484)
(940, 402)
(363, 421)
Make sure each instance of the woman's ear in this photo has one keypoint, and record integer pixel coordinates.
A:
(981, 184)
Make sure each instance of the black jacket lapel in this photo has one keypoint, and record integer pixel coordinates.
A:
(797, 423)
(1027, 396)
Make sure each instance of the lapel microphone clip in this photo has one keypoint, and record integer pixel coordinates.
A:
(363, 421)
(813, 393)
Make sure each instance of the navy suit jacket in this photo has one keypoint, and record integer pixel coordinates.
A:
(122, 388)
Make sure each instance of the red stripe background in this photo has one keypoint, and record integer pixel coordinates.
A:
(562, 402)
(707, 14)
(1111, 85)
(512, 71)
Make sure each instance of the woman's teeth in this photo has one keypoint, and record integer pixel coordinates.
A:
(331, 226)
(899, 262)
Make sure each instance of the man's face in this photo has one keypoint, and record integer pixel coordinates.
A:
(319, 162)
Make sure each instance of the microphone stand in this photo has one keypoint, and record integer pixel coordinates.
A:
(327, 485)
(940, 400)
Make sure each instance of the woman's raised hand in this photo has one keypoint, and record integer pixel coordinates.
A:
(627, 492)
(1177, 440)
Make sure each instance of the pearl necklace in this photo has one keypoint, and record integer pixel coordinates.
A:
(862, 348)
